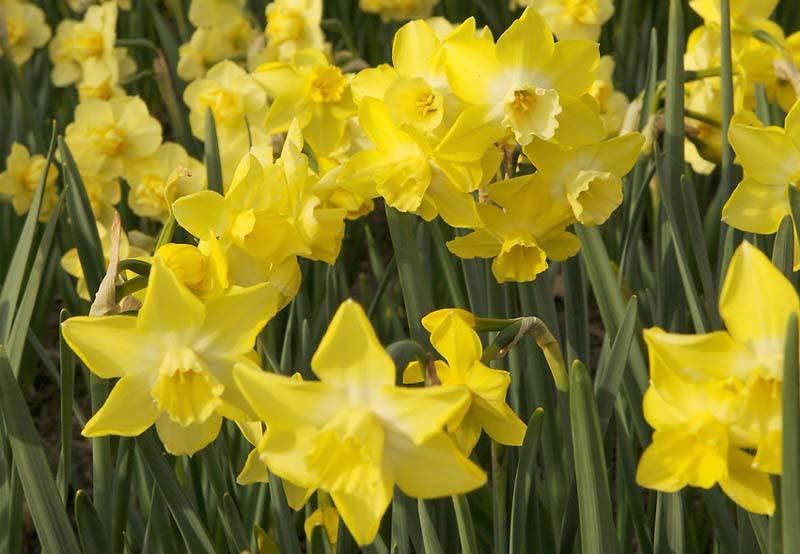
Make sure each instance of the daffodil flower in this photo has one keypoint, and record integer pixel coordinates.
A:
(354, 434)
(25, 29)
(522, 83)
(312, 91)
(770, 157)
(714, 398)
(174, 360)
(521, 231)
(573, 19)
(459, 344)
(588, 178)
(412, 174)
(21, 178)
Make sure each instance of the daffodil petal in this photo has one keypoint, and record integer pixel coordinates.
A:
(182, 441)
(128, 411)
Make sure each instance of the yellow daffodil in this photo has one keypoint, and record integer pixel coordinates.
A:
(202, 269)
(148, 179)
(98, 81)
(174, 360)
(354, 434)
(412, 174)
(399, 10)
(415, 88)
(770, 157)
(311, 90)
(521, 231)
(231, 94)
(588, 178)
(209, 45)
(613, 103)
(573, 19)
(746, 15)
(207, 13)
(25, 29)
(71, 263)
(76, 42)
(21, 179)
(107, 135)
(459, 344)
(269, 216)
(716, 397)
(293, 25)
(238, 104)
(525, 80)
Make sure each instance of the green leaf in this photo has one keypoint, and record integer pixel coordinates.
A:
(49, 517)
(783, 248)
(609, 377)
(212, 160)
(670, 535)
(598, 533)
(281, 517)
(523, 483)
(90, 529)
(82, 222)
(12, 285)
(466, 527)
(232, 523)
(790, 481)
(429, 537)
(189, 524)
(67, 391)
(22, 320)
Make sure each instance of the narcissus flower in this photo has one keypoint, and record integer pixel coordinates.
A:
(270, 215)
(354, 434)
(109, 134)
(293, 25)
(588, 178)
(770, 157)
(461, 348)
(715, 398)
(613, 103)
(209, 45)
(573, 19)
(25, 29)
(311, 90)
(21, 179)
(524, 79)
(202, 269)
(411, 173)
(746, 15)
(231, 94)
(522, 229)
(173, 360)
(148, 179)
(76, 42)
(399, 10)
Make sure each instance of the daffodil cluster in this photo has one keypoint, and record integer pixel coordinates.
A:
(453, 109)
(715, 399)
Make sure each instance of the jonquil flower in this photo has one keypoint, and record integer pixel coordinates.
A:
(149, 178)
(573, 19)
(109, 134)
(522, 229)
(21, 179)
(522, 82)
(399, 10)
(770, 157)
(587, 178)
(25, 29)
(293, 25)
(354, 434)
(459, 344)
(174, 360)
(312, 91)
(715, 399)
